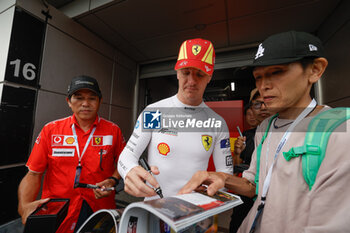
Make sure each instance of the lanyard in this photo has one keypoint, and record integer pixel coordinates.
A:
(86, 144)
(281, 144)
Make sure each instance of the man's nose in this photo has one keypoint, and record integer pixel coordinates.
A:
(192, 78)
(264, 84)
(85, 102)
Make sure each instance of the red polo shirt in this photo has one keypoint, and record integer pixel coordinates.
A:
(55, 152)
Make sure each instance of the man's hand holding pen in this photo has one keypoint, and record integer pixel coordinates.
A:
(135, 182)
(240, 143)
(106, 188)
(144, 164)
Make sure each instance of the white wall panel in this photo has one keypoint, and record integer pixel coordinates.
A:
(4, 4)
(1, 87)
(65, 57)
(123, 87)
(6, 20)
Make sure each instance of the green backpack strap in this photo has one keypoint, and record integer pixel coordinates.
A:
(258, 154)
(316, 140)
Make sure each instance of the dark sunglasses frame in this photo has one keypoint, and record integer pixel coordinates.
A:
(257, 105)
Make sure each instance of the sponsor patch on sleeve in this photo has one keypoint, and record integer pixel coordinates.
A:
(137, 124)
(63, 152)
(37, 141)
(225, 143)
(229, 160)
(130, 148)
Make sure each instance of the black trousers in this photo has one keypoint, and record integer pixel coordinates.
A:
(84, 214)
(239, 213)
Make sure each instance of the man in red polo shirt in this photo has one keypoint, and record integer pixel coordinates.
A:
(80, 149)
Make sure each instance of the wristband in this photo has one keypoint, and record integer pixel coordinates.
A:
(115, 180)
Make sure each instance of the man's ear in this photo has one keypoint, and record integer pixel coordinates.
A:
(68, 101)
(317, 69)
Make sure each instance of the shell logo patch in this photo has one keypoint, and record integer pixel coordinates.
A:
(70, 140)
(207, 141)
(196, 49)
(163, 148)
(63, 140)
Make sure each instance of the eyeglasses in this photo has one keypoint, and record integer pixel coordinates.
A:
(257, 105)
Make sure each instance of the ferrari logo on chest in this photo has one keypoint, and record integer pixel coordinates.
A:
(97, 140)
(207, 141)
(196, 49)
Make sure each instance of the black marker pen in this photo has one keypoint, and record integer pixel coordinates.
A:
(92, 186)
(145, 165)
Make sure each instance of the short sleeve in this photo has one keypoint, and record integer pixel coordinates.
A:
(38, 158)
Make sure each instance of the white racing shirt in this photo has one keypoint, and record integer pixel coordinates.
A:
(181, 142)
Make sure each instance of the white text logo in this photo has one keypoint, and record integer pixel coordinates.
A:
(260, 52)
(191, 123)
(312, 47)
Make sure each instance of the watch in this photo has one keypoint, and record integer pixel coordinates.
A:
(115, 180)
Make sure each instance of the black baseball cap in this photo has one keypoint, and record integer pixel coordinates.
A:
(287, 47)
(84, 82)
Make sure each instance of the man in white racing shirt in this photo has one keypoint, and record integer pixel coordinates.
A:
(181, 132)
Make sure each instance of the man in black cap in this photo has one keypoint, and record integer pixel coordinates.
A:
(73, 152)
(285, 67)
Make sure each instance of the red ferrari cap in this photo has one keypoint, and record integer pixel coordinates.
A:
(197, 53)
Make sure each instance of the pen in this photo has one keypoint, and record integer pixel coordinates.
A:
(145, 165)
(101, 156)
(240, 133)
(92, 186)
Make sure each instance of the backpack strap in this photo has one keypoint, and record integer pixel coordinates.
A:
(258, 154)
(316, 140)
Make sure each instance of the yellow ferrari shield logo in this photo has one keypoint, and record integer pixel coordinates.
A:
(196, 49)
(97, 140)
(207, 141)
